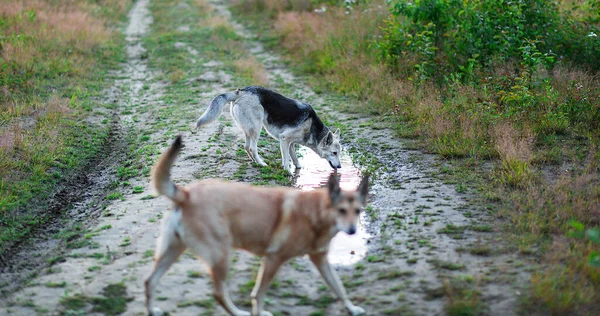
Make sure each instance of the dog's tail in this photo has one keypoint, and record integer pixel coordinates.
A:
(161, 175)
(215, 108)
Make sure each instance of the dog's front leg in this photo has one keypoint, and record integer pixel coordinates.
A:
(294, 157)
(334, 282)
(285, 152)
(267, 271)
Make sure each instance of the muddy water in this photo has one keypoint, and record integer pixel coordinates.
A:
(345, 249)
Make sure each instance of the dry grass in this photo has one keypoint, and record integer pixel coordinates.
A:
(562, 290)
(515, 148)
(463, 299)
(204, 7)
(44, 39)
(32, 141)
(581, 10)
(40, 23)
(274, 7)
(216, 21)
(567, 283)
(252, 69)
(336, 45)
(546, 208)
(513, 144)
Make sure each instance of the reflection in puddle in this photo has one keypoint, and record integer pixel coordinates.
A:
(344, 249)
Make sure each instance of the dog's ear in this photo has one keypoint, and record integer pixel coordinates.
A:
(329, 139)
(333, 186)
(336, 133)
(363, 189)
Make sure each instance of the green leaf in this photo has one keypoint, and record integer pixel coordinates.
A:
(594, 235)
(594, 259)
(577, 225)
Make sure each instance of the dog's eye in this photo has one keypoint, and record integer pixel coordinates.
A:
(335, 153)
(357, 211)
(343, 211)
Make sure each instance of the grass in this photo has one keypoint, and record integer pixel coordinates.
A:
(148, 253)
(208, 303)
(374, 259)
(56, 284)
(113, 301)
(463, 298)
(394, 274)
(49, 86)
(73, 303)
(447, 265)
(194, 274)
(321, 302)
(126, 242)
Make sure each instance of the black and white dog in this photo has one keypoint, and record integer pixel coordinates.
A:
(287, 120)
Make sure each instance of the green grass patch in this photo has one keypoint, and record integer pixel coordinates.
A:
(114, 300)
(393, 274)
(194, 274)
(55, 284)
(138, 189)
(51, 87)
(446, 265)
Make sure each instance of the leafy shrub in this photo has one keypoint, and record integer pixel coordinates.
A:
(466, 37)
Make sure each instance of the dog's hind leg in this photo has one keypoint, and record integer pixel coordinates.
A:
(250, 122)
(251, 147)
(268, 269)
(220, 292)
(334, 282)
(169, 248)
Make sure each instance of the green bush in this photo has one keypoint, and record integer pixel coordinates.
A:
(468, 38)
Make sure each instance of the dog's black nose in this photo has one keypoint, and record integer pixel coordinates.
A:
(351, 230)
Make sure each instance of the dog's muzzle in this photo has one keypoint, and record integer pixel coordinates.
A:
(334, 167)
(351, 230)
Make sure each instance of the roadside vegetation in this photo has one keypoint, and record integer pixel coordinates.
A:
(507, 92)
(54, 59)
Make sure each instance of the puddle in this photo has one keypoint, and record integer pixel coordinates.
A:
(344, 249)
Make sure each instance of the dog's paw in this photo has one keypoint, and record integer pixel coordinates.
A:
(240, 312)
(355, 310)
(265, 313)
(156, 312)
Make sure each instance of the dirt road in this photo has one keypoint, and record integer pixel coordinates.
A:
(425, 247)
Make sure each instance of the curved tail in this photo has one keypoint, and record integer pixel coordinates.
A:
(161, 174)
(215, 108)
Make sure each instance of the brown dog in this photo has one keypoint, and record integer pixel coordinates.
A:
(211, 217)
